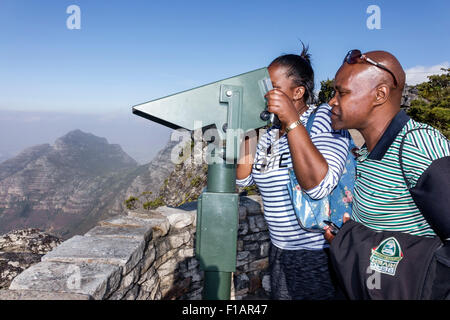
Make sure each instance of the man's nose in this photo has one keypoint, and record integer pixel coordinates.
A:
(332, 101)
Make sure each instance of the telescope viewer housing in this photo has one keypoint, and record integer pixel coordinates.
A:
(234, 106)
(234, 103)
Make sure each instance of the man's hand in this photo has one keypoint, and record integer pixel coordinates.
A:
(280, 104)
(328, 235)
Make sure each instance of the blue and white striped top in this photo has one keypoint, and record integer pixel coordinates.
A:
(270, 174)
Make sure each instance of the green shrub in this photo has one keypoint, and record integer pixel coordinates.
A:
(149, 205)
(433, 105)
(131, 203)
(326, 90)
(251, 190)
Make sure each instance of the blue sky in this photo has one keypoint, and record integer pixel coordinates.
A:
(129, 52)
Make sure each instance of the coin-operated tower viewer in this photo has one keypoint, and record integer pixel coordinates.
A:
(234, 105)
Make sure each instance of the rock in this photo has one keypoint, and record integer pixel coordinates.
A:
(255, 284)
(178, 289)
(260, 236)
(260, 264)
(121, 252)
(252, 204)
(187, 181)
(132, 294)
(178, 239)
(158, 224)
(21, 249)
(264, 249)
(251, 246)
(242, 213)
(257, 223)
(149, 258)
(241, 281)
(176, 217)
(266, 283)
(243, 228)
(143, 234)
(92, 279)
(40, 295)
(13, 263)
(28, 240)
(409, 94)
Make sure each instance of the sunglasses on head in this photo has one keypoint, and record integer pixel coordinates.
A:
(354, 55)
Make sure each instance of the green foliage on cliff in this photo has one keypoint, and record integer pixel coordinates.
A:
(132, 203)
(433, 106)
(153, 204)
(144, 200)
(250, 190)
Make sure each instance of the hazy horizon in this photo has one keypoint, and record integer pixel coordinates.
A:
(141, 139)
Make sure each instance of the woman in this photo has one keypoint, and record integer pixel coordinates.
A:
(298, 260)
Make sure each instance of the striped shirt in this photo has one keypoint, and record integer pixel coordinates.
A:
(381, 198)
(270, 174)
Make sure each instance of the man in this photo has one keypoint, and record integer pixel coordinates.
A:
(391, 169)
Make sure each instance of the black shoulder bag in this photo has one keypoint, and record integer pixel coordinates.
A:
(431, 194)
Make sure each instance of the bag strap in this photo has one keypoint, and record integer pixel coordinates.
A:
(408, 184)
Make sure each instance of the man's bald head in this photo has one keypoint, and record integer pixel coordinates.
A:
(365, 92)
(390, 62)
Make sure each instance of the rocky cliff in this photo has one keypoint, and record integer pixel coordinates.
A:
(409, 94)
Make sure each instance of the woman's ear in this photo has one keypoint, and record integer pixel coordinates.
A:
(299, 92)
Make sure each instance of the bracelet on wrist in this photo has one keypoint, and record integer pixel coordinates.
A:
(292, 126)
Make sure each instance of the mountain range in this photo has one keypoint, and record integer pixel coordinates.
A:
(67, 187)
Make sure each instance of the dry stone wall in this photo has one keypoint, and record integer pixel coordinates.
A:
(145, 256)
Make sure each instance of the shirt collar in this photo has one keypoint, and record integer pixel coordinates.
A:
(396, 125)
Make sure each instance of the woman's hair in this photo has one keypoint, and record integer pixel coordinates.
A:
(299, 70)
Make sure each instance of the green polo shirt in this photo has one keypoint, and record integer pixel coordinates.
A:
(381, 198)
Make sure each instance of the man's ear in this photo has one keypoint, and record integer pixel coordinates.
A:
(299, 92)
(382, 93)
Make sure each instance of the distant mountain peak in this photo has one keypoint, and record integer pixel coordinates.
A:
(91, 153)
(57, 186)
(79, 138)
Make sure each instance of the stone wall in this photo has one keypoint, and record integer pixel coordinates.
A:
(145, 255)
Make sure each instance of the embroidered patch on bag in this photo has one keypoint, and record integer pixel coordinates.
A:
(386, 256)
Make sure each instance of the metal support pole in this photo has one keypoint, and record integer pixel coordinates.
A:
(221, 179)
(217, 285)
